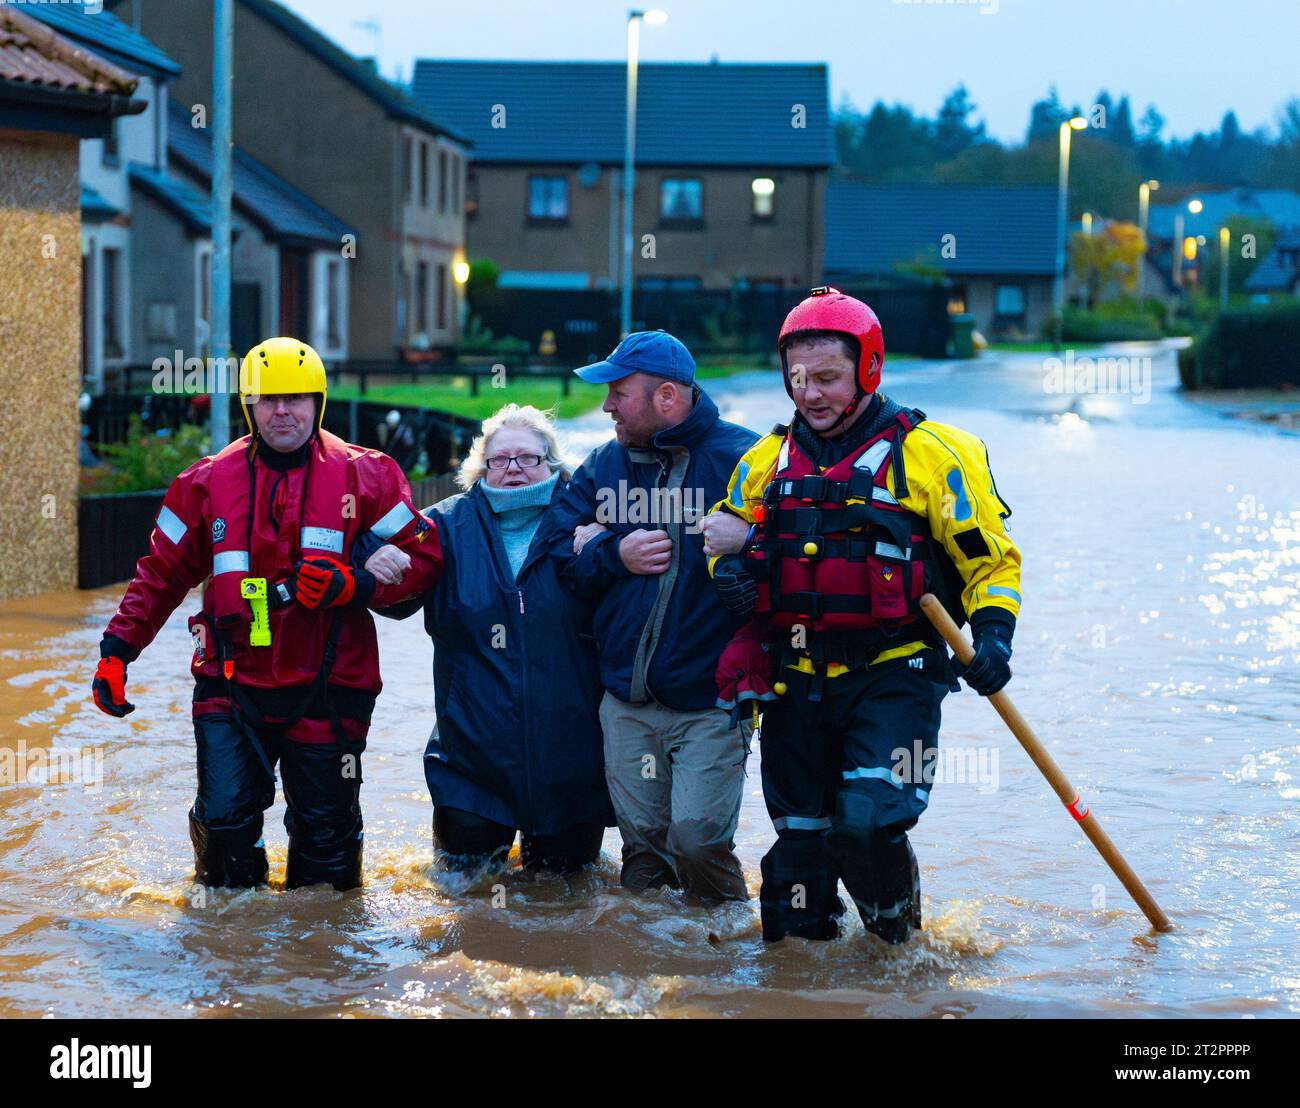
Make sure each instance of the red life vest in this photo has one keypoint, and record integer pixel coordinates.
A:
(322, 529)
(835, 551)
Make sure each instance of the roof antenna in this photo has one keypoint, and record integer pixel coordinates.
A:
(376, 29)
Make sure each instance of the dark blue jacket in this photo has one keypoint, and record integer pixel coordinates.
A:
(515, 681)
(660, 636)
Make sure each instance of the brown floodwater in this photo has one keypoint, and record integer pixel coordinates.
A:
(1156, 656)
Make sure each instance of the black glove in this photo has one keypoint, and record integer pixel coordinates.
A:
(990, 669)
(736, 587)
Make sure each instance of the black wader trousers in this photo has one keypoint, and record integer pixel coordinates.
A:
(844, 781)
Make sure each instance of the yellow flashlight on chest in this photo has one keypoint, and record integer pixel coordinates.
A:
(253, 589)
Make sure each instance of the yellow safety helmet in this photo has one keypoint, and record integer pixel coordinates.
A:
(278, 366)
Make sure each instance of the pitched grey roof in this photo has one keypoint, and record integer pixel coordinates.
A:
(713, 114)
(183, 200)
(998, 229)
(1280, 207)
(94, 207)
(393, 99)
(282, 212)
(106, 34)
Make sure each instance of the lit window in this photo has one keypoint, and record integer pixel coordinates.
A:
(548, 197)
(681, 198)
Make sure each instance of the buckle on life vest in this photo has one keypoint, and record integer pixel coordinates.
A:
(805, 605)
(813, 488)
(860, 485)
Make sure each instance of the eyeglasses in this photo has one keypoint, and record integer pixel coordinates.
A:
(526, 461)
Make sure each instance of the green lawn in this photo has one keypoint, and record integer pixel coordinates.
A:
(1039, 347)
(453, 394)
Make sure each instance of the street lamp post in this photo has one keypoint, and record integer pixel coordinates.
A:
(634, 19)
(1145, 189)
(223, 35)
(1194, 206)
(1225, 240)
(1078, 123)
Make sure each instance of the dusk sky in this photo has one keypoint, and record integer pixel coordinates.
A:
(1193, 58)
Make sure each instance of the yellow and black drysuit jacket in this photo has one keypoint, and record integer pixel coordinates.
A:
(949, 486)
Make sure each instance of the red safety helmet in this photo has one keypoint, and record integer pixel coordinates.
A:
(828, 309)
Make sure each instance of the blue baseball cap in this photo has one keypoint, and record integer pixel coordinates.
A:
(654, 352)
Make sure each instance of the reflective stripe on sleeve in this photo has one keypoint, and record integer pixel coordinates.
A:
(171, 525)
(230, 561)
(396, 518)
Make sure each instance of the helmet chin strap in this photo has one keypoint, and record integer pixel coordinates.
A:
(852, 407)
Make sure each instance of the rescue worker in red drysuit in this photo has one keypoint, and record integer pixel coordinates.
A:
(276, 512)
(832, 530)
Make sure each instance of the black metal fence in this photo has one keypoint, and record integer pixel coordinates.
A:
(413, 437)
(112, 534)
(585, 324)
(474, 367)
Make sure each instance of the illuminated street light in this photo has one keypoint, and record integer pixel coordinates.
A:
(634, 19)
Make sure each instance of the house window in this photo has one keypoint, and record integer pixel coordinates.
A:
(763, 190)
(334, 303)
(424, 174)
(455, 184)
(442, 180)
(422, 297)
(112, 261)
(681, 200)
(407, 168)
(442, 297)
(1009, 301)
(471, 194)
(548, 199)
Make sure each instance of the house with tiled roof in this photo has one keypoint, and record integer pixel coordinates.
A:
(147, 227)
(288, 275)
(55, 97)
(387, 166)
(731, 168)
(995, 245)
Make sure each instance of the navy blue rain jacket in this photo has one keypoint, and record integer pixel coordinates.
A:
(516, 689)
(660, 636)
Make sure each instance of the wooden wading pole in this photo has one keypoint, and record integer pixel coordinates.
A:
(961, 646)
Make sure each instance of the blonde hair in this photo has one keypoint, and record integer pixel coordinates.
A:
(541, 423)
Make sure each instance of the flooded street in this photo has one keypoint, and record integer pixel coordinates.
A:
(1156, 657)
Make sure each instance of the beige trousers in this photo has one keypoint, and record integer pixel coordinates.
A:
(676, 780)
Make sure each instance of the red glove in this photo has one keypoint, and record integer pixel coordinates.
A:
(109, 688)
(744, 671)
(323, 583)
